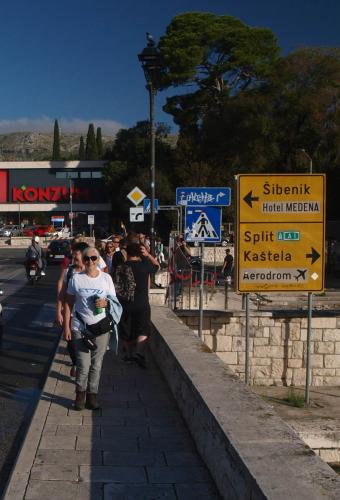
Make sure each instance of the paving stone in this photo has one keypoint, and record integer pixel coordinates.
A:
(78, 430)
(158, 411)
(154, 421)
(119, 396)
(107, 403)
(109, 473)
(65, 420)
(169, 432)
(183, 458)
(68, 457)
(50, 428)
(123, 412)
(178, 474)
(130, 459)
(43, 490)
(90, 491)
(50, 442)
(54, 472)
(124, 444)
(202, 491)
(73, 413)
(57, 410)
(164, 444)
(115, 431)
(138, 492)
(99, 420)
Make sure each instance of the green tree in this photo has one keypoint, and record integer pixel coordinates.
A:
(91, 151)
(129, 166)
(81, 152)
(99, 142)
(56, 142)
(217, 53)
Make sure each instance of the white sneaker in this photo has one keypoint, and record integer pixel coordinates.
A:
(43, 273)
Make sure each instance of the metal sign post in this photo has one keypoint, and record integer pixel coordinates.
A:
(200, 330)
(281, 240)
(247, 340)
(308, 353)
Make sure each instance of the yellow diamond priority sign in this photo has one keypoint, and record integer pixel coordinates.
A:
(136, 196)
(281, 232)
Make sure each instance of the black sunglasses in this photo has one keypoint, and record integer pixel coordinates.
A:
(87, 258)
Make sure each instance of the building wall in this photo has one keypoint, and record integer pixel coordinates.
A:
(277, 346)
(46, 186)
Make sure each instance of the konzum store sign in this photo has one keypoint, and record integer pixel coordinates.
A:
(31, 194)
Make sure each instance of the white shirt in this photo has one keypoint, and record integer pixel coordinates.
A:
(101, 263)
(84, 288)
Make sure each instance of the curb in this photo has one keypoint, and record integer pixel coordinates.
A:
(18, 480)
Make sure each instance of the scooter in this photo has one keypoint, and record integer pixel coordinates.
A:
(33, 271)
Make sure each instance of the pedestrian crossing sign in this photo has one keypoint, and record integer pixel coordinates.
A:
(203, 224)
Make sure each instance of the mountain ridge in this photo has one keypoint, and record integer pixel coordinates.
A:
(30, 146)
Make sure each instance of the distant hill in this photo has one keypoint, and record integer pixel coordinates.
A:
(30, 146)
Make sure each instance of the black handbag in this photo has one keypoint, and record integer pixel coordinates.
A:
(97, 329)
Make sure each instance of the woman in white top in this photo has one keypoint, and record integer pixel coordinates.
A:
(87, 294)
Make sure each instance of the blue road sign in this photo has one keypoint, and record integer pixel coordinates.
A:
(147, 205)
(203, 196)
(203, 224)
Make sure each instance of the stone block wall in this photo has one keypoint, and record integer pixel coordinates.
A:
(277, 346)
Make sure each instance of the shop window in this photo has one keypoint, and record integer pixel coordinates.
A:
(85, 175)
(60, 175)
(72, 175)
(96, 175)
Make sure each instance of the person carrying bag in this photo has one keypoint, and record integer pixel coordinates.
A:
(87, 294)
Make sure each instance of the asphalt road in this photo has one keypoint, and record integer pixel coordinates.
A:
(27, 348)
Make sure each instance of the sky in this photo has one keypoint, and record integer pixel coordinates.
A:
(76, 60)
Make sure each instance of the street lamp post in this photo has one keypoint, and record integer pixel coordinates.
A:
(71, 207)
(151, 63)
(310, 159)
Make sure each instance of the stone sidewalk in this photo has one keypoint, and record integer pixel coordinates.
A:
(136, 447)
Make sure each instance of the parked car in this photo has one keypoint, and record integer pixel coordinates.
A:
(10, 230)
(57, 250)
(39, 230)
(45, 230)
(28, 231)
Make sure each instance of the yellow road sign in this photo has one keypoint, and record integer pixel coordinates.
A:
(136, 195)
(281, 232)
(273, 198)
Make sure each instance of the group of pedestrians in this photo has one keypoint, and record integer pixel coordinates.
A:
(101, 290)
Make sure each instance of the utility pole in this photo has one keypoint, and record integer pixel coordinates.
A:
(71, 207)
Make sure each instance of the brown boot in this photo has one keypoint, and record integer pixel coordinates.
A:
(79, 403)
(91, 401)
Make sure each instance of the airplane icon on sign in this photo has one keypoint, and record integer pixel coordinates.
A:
(302, 274)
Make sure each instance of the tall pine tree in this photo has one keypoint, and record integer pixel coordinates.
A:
(56, 142)
(91, 144)
(81, 152)
(99, 142)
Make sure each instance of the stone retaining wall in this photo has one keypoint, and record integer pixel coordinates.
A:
(250, 452)
(213, 254)
(277, 345)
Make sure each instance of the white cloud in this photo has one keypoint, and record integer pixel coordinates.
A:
(67, 125)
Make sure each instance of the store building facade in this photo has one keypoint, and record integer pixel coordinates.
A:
(51, 188)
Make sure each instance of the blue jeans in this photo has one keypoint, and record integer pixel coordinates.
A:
(89, 363)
